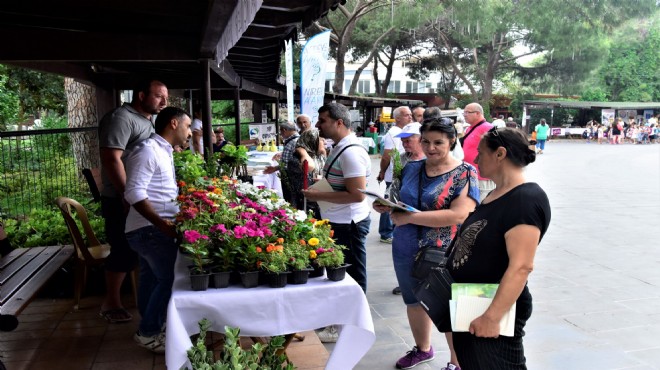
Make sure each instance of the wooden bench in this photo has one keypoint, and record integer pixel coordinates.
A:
(24, 271)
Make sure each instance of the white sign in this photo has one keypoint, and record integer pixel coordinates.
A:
(312, 74)
(288, 57)
(264, 133)
(608, 116)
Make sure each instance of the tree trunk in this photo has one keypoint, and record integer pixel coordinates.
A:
(378, 86)
(246, 111)
(81, 109)
(389, 67)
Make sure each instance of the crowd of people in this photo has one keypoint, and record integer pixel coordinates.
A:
(474, 204)
(620, 132)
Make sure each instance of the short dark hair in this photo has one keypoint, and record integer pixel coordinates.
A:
(442, 125)
(337, 111)
(432, 112)
(145, 87)
(515, 143)
(165, 116)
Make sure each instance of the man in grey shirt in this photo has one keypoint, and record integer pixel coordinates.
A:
(119, 131)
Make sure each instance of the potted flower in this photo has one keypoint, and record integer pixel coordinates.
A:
(275, 262)
(333, 260)
(195, 244)
(299, 261)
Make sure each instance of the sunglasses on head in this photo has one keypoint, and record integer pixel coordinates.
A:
(493, 131)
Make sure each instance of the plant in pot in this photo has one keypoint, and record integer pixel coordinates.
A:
(275, 262)
(222, 256)
(196, 245)
(333, 260)
(299, 262)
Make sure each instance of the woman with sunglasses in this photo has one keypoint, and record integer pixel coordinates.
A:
(496, 244)
(445, 190)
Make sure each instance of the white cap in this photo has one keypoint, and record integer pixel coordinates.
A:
(410, 129)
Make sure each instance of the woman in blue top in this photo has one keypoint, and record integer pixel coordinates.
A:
(446, 190)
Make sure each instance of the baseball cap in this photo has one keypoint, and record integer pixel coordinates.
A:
(410, 129)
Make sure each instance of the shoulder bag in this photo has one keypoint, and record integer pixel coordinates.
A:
(430, 256)
(462, 140)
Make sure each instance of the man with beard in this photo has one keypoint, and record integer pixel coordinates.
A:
(119, 132)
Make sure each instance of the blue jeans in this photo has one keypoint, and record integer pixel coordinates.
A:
(385, 226)
(157, 254)
(540, 144)
(354, 237)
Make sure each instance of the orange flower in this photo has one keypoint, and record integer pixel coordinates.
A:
(258, 249)
(270, 248)
(279, 248)
(312, 220)
(302, 242)
(280, 240)
(332, 233)
(181, 184)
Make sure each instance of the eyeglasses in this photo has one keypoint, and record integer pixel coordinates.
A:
(468, 112)
(497, 135)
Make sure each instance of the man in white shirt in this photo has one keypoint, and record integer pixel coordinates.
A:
(197, 138)
(402, 116)
(151, 191)
(499, 121)
(347, 170)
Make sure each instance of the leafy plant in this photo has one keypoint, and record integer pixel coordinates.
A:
(188, 166)
(43, 227)
(330, 257)
(234, 357)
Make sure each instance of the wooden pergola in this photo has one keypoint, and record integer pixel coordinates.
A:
(225, 49)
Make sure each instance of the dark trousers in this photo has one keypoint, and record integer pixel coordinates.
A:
(354, 237)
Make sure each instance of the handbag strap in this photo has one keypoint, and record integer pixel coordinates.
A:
(471, 130)
(337, 157)
(419, 197)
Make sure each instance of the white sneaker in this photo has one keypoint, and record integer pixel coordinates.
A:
(155, 343)
(328, 335)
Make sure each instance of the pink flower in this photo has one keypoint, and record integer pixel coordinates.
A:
(191, 236)
(240, 231)
(219, 228)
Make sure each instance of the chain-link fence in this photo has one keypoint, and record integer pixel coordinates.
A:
(36, 166)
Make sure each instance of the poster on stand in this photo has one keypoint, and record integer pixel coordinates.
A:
(608, 116)
(264, 132)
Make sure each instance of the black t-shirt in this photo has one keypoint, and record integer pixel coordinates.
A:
(479, 252)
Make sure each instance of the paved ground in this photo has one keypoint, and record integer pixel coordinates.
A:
(596, 283)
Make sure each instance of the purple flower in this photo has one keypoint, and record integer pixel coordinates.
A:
(191, 236)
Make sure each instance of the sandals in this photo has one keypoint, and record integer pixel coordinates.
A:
(116, 315)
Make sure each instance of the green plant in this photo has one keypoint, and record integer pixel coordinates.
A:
(330, 257)
(234, 357)
(188, 166)
(43, 227)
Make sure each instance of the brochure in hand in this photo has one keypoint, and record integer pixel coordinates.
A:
(469, 301)
(400, 206)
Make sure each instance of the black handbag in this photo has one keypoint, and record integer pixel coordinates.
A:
(433, 294)
(426, 259)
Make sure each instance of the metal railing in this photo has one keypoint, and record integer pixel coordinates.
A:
(36, 166)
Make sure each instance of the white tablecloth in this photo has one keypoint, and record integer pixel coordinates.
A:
(265, 311)
(367, 142)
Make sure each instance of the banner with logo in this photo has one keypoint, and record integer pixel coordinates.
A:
(313, 61)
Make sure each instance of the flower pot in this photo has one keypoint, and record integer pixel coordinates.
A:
(250, 279)
(299, 276)
(337, 273)
(221, 279)
(317, 271)
(277, 279)
(199, 281)
(263, 277)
